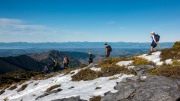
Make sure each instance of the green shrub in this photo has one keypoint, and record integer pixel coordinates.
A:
(22, 87)
(86, 74)
(167, 70)
(52, 87)
(96, 98)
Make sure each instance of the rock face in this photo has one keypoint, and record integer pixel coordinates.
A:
(153, 88)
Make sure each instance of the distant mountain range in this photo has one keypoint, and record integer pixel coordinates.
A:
(34, 62)
(48, 45)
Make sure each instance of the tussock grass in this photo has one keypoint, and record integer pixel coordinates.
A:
(13, 87)
(176, 44)
(176, 63)
(112, 61)
(167, 70)
(113, 70)
(5, 86)
(53, 87)
(2, 91)
(22, 87)
(141, 61)
(86, 74)
(96, 98)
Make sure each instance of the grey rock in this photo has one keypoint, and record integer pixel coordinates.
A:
(142, 69)
(70, 99)
(154, 88)
(46, 94)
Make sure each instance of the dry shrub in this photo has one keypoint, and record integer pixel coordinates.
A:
(52, 87)
(96, 98)
(86, 74)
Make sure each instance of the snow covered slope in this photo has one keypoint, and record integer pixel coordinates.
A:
(84, 89)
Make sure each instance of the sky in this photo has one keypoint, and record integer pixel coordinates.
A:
(89, 20)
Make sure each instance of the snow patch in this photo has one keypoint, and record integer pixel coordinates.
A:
(124, 63)
(95, 69)
(155, 57)
(168, 61)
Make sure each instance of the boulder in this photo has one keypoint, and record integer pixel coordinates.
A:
(153, 88)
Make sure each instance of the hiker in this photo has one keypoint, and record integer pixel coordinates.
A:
(45, 70)
(108, 49)
(66, 62)
(55, 65)
(90, 58)
(155, 39)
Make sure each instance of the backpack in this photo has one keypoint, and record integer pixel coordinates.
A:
(109, 48)
(157, 37)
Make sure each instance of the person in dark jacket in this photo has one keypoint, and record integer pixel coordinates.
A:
(108, 49)
(90, 58)
(45, 70)
(66, 62)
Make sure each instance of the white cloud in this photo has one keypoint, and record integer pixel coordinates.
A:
(17, 26)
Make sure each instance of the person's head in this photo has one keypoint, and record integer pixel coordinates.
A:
(153, 33)
(89, 52)
(105, 44)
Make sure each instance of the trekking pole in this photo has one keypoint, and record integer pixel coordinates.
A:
(159, 45)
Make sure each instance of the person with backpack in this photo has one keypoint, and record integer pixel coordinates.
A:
(108, 49)
(155, 40)
(91, 56)
(55, 65)
(45, 70)
(66, 62)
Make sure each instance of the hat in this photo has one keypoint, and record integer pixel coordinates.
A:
(152, 32)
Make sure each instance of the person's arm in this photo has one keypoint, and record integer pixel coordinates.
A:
(154, 39)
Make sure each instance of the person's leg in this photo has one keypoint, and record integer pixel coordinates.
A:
(151, 48)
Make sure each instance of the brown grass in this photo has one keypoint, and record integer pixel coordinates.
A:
(167, 70)
(96, 98)
(22, 87)
(86, 74)
(52, 87)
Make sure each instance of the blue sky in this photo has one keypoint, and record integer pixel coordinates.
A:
(89, 20)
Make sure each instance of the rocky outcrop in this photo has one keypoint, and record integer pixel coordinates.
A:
(70, 99)
(151, 88)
